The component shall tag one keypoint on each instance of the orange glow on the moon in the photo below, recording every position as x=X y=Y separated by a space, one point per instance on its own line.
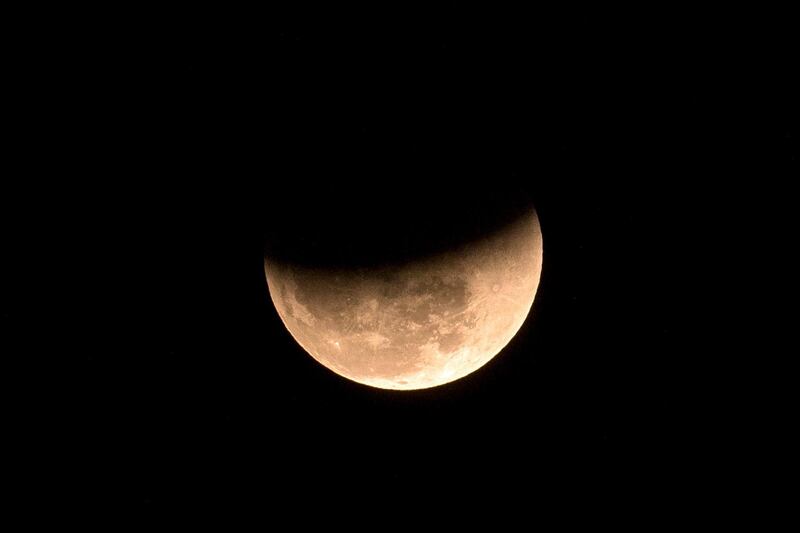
x=416 y=325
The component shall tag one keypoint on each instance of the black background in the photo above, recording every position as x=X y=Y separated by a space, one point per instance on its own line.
x=184 y=143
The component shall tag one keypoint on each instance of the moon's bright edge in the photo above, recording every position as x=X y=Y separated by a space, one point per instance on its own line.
x=417 y=325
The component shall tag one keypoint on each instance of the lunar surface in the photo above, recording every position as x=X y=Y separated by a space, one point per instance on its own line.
x=416 y=325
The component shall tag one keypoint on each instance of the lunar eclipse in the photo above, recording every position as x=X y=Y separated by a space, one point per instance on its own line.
x=418 y=324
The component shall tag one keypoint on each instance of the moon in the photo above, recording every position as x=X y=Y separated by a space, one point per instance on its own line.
x=415 y=325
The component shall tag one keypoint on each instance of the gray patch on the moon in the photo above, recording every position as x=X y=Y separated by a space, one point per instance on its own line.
x=296 y=309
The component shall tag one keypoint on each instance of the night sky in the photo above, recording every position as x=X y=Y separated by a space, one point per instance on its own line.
x=197 y=140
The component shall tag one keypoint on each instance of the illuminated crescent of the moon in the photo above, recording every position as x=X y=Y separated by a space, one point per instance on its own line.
x=416 y=325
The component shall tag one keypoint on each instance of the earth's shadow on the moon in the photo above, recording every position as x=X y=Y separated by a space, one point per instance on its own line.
x=342 y=227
